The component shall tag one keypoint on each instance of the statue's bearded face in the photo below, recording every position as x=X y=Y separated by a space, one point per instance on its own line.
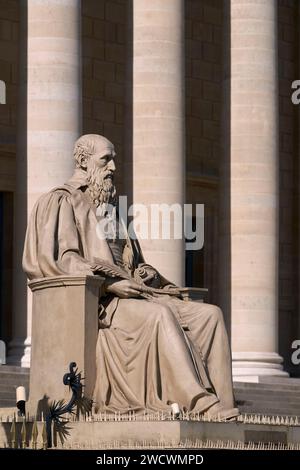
x=100 y=173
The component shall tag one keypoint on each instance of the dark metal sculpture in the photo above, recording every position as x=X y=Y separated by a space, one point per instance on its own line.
x=59 y=408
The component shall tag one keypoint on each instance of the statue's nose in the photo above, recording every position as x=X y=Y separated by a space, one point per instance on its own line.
x=111 y=165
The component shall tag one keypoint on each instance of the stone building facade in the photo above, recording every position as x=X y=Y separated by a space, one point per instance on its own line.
x=196 y=96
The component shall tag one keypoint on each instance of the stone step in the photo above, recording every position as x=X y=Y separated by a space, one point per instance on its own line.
x=7 y=403
x=271 y=392
x=271 y=411
x=6 y=373
x=266 y=386
x=7 y=396
x=15 y=382
x=22 y=372
x=7 y=388
x=7 y=368
x=280 y=380
x=267 y=405
x=268 y=398
x=11 y=391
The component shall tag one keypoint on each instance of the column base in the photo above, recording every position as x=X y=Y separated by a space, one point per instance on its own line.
x=250 y=366
x=19 y=352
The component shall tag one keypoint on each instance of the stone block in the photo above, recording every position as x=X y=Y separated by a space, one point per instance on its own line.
x=115 y=53
x=113 y=132
x=9 y=9
x=15 y=31
x=203 y=70
x=120 y=73
x=194 y=10
x=87 y=67
x=4 y=114
x=93 y=8
x=211 y=130
x=212 y=15
x=87 y=108
x=194 y=126
x=120 y=112
x=211 y=91
x=93 y=48
x=99 y=29
x=202 y=109
x=194 y=88
x=121 y=33
x=64 y=330
x=202 y=31
x=104 y=70
x=289 y=33
x=193 y=49
x=211 y=52
x=92 y=126
x=5 y=68
x=115 y=12
x=218 y=35
x=5 y=30
x=115 y=92
x=93 y=88
x=104 y=111
x=87 y=26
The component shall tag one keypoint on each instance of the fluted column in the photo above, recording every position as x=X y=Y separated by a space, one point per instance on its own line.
x=50 y=122
x=251 y=189
x=158 y=166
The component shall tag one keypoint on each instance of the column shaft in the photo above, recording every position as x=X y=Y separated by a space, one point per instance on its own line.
x=50 y=122
x=252 y=188
x=158 y=169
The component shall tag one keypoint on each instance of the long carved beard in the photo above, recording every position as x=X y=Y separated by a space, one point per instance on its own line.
x=101 y=189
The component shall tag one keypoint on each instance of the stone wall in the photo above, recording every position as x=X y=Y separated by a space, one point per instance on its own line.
x=203 y=125
x=9 y=29
x=9 y=18
x=9 y=32
x=288 y=178
x=104 y=57
x=203 y=85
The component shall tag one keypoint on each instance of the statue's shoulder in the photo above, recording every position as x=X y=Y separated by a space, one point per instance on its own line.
x=66 y=189
x=55 y=195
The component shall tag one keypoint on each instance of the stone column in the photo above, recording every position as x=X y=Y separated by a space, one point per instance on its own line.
x=158 y=163
x=50 y=122
x=251 y=189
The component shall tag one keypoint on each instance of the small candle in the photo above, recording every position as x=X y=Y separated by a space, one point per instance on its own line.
x=20 y=394
x=175 y=409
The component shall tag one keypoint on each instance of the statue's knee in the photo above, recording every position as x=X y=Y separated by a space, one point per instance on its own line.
x=215 y=313
x=163 y=312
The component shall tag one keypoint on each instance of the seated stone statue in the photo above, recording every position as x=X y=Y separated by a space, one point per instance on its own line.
x=153 y=348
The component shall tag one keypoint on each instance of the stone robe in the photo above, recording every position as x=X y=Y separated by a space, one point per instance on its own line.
x=150 y=353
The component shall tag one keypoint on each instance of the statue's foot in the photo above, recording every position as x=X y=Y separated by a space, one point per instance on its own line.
x=217 y=411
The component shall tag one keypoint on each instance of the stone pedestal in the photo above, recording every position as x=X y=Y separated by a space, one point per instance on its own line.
x=64 y=330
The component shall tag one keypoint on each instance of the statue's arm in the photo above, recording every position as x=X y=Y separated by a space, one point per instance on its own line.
x=70 y=252
x=52 y=245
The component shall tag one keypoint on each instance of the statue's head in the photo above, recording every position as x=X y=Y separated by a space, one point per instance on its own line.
x=95 y=154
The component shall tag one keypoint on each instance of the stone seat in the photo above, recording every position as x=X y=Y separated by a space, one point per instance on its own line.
x=64 y=330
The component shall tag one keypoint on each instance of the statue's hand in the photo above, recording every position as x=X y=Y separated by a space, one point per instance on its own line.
x=170 y=287
x=127 y=289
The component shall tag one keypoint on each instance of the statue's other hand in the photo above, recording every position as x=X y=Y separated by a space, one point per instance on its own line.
x=170 y=287
x=127 y=289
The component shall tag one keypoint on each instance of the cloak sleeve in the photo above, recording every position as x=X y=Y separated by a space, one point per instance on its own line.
x=52 y=244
